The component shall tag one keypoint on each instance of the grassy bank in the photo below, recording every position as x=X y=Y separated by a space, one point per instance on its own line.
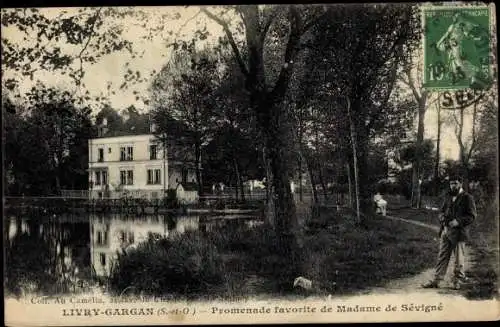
x=484 y=279
x=338 y=255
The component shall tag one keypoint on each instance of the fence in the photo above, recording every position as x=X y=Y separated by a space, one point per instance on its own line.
x=98 y=194
x=83 y=196
x=79 y=194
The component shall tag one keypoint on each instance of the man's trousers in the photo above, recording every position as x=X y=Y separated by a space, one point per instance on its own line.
x=446 y=249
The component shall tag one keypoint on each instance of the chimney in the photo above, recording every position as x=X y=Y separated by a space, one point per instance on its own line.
x=102 y=129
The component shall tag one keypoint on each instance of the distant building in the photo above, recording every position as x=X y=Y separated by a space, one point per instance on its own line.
x=135 y=166
x=187 y=193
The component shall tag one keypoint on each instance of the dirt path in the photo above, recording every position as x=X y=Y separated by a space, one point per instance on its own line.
x=412 y=284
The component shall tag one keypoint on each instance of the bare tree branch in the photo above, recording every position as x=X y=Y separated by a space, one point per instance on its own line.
x=433 y=101
x=88 y=42
x=459 y=132
x=411 y=84
x=185 y=23
x=403 y=79
x=474 y=123
x=269 y=21
x=230 y=37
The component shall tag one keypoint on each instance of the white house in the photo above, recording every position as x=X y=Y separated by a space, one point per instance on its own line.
x=136 y=165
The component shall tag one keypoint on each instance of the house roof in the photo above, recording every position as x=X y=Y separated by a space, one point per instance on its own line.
x=135 y=130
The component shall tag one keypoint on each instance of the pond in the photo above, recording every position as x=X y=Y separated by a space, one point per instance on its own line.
x=52 y=254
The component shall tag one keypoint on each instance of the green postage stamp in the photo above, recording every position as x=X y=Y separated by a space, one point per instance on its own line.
x=456 y=45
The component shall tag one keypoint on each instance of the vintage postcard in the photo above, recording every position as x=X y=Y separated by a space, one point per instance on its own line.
x=250 y=164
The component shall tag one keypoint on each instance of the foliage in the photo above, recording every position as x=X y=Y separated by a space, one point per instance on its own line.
x=407 y=156
x=67 y=40
x=346 y=59
x=183 y=265
x=171 y=201
x=186 y=91
x=46 y=143
x=485 y=158
x=230 y=147
x=128 y=121
x=408 y=153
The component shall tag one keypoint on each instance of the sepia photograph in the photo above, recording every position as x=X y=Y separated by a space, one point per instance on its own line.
x=248 y=164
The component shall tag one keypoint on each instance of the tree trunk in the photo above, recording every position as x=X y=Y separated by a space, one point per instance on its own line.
x=236 y=189
x=438 y=150
x=269 y=211
x=276 y=130
x=239 y=182
x=356 y=179
x=58 y=175
x=349 y=182
x=285 y=205
x=311 y=177
x=464 y=160
x=267 y=104
x=300 y=177
x=417 y=165
x=320 y=170
x=322 y=182
x=363 y=165
x=242 y=186
x=465 y=175
x=58 y=185
x=362 y=134
x=355 y=159
x=198 y=170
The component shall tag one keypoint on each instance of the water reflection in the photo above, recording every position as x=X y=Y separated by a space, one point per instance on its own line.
x=114 y=233
x=71 y=249
x=45 y=253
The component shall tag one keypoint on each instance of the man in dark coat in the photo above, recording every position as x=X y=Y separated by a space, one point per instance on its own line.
x=457 y=213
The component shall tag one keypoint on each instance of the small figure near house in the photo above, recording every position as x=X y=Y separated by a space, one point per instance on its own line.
x=380 y=204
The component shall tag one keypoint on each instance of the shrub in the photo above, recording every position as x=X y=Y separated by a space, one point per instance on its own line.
x=27 y=259
x=183 y=265
x=171 y=201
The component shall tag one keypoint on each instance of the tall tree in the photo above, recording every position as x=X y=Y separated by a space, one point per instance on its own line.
x=422 y=97
x=263 y=25
x=190 y=99
x=485 y=158
x=64 y=128
x=46 y=143
x=363 y=47
x=467 y=144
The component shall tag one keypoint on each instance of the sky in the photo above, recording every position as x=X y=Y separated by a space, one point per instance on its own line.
x=111 y=68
